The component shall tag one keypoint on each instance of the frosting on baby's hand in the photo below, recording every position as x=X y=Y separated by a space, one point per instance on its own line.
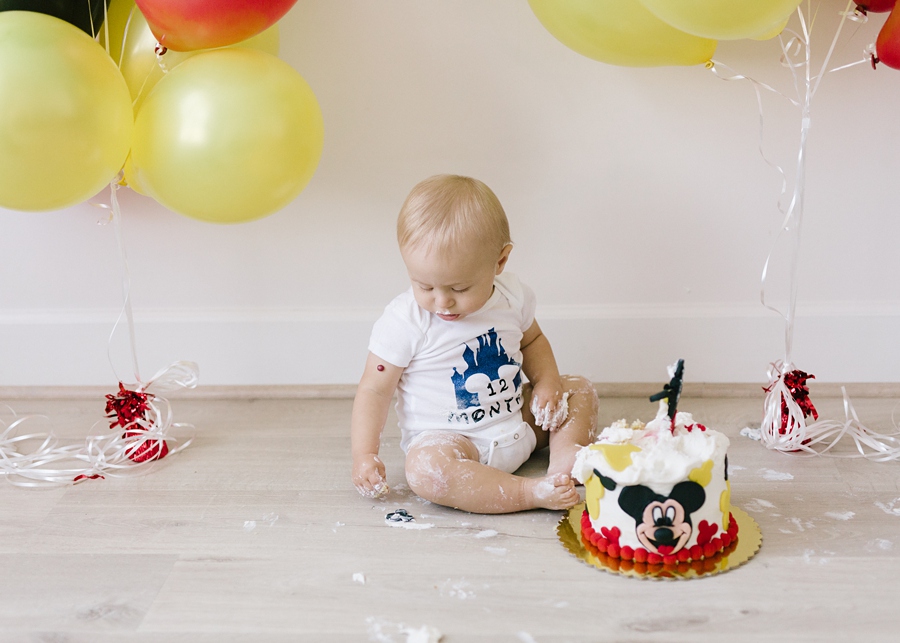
x=550 y=417
x=368 y=477
x=377 y=491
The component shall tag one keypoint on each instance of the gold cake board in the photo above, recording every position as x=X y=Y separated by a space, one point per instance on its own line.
x=748 y=543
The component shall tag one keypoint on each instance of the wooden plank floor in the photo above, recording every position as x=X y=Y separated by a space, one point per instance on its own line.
x=254 y=533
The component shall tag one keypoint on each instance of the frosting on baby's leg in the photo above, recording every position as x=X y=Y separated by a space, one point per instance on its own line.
x=444 y=469
x=579 y=428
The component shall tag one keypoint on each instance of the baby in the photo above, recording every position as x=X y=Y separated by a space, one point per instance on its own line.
x=454 y=347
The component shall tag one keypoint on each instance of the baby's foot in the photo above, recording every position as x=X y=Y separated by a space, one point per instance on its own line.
x=554 y=491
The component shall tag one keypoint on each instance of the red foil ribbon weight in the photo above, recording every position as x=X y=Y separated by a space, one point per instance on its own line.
x=795 y=382
x=131 y=410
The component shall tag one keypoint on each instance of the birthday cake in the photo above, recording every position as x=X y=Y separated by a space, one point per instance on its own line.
x=657 y=492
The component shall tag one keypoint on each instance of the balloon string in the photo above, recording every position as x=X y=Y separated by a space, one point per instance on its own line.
x=157 y=63
x=90 y=16
x=834 y=41
x=125 y=36
x=805 y=87
x=860 y=18
x=714 y=66
x=122 y=56
x=757 y=87
x=809 y=86
x=140 y=92
x=126 y=284
x=105 y=25
x=813 y=14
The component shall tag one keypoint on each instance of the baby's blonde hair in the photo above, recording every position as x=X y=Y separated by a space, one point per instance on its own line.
x=449 y=211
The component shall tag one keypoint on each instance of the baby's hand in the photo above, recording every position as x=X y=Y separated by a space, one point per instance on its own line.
x=369 y=476
x=550 y=409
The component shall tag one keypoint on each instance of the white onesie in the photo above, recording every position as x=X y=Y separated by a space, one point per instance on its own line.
x=463 y=376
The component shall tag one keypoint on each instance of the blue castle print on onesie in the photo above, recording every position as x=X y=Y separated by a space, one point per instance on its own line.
x=488 y=371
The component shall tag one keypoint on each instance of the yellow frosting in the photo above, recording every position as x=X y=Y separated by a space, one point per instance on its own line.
x=725 y=504
x=617 y=455
x=702 y=474
x=593 y=492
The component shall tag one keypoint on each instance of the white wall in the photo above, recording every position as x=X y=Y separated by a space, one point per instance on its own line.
x=640 y=205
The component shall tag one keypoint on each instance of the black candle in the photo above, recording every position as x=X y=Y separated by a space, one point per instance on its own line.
x=672 y=390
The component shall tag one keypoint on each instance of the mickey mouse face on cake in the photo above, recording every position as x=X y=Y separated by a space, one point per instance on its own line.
x=663 y=523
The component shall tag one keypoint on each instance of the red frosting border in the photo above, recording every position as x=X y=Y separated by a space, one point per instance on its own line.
x=640 y=555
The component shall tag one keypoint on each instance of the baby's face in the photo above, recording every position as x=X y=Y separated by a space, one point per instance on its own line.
x=453 y=284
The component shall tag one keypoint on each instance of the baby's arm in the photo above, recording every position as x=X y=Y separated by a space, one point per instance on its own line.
x=548 y=403
x=370 y=411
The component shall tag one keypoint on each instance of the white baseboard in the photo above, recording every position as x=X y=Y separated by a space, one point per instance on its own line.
x=318 y=347
x=606 y=390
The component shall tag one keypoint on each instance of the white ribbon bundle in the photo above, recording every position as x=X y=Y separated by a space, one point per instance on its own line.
x=122 y=451
x=784 y=427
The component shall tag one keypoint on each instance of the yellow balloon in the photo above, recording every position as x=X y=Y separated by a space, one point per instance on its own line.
x=620 y=32
x=268 y=41
x=65 y=114
x=723 y=19
x=772 y=31
x=133 y=47
x=229 y=135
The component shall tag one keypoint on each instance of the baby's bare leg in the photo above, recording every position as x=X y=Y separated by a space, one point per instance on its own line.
x=579 y=428
x=444 y=468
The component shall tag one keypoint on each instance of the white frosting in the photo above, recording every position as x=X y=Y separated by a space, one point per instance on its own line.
x=665 y=457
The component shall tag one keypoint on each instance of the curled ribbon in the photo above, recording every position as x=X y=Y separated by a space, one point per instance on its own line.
x=143 y=431
x=785 y=429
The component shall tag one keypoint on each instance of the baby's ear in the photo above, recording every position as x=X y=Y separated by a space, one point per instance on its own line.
x=504 y=257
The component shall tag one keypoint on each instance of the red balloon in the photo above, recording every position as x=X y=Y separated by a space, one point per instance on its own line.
x=887 y=45
x=185 y=25
x=876 y=6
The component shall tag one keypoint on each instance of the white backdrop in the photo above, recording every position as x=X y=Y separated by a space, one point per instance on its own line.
x=641 y=208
